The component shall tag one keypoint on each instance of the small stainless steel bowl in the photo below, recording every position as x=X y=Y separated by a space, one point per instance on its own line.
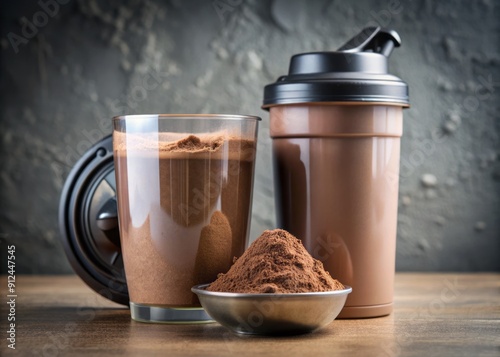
x=267 y=314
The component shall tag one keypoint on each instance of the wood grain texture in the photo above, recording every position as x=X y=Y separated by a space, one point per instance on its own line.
x=435 y=315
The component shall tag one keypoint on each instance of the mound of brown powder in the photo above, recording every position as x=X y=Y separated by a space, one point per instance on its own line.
x=276 y=262
x=195 y=144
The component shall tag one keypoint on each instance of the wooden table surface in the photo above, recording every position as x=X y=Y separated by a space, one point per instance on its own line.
x=435 y=315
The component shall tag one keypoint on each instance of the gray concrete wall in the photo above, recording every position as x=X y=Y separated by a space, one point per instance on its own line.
x=87 y=64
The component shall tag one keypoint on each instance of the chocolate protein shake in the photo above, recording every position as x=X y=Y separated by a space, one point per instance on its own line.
x=184 y=202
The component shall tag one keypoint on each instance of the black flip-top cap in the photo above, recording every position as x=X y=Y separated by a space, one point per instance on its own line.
x=356 y=72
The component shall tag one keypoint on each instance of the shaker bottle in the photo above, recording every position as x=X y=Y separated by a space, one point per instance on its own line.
x=336 y=124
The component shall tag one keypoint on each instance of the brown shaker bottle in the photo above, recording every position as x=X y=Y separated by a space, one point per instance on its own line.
x=336 y=124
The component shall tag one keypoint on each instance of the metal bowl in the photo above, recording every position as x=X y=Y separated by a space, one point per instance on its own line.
x=271 y=314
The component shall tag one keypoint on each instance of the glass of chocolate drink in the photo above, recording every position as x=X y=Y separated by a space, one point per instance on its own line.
x=184 y=191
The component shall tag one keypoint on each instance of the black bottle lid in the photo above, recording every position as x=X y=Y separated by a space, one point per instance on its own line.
x=88 y=221
x=356 y=72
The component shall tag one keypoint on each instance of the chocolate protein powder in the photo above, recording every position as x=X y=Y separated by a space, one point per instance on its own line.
x=277 y=262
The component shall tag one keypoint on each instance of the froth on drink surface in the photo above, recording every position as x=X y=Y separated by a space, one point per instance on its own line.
x=179 y=144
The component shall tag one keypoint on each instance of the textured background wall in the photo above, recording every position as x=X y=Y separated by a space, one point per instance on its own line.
x=88 y=63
